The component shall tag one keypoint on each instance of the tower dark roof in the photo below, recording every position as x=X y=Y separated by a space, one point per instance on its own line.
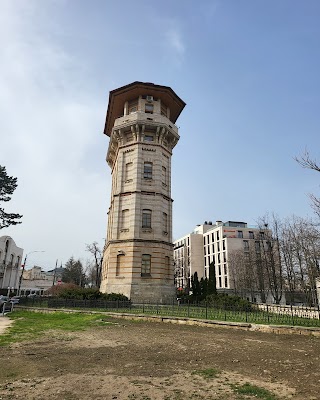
x=119 y=96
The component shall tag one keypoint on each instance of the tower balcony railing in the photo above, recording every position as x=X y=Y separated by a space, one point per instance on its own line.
x=145 y=117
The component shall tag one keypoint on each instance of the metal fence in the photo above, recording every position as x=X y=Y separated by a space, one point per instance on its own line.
x=258 y=314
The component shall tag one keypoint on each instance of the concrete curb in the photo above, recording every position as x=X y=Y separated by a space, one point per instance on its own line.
x=277 y=329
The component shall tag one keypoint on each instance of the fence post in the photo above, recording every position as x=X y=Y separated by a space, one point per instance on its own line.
x=292 y=314
x=143 y=306
x=206 y=309
x=246 y=314
x=188 y=308
x=117 y=305
x=268 y=314
x=157 y=308
x=225 y=310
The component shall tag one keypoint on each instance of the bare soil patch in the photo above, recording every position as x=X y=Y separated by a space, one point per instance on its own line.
x=150 y=360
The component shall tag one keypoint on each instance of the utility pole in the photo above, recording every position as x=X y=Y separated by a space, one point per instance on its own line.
x=23 y=268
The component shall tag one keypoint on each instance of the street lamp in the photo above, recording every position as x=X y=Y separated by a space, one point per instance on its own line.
x=23 y=267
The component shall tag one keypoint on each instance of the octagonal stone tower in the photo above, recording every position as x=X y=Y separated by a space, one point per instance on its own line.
x=138 y=256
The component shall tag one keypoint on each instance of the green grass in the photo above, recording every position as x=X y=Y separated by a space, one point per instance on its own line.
x=28 y=325
x=209 y=373
x=255 y=391
x=184 y=311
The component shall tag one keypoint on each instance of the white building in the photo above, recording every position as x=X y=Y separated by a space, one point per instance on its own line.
x=37 y=281
x=10 y=263
x=138 y=256
x=214 y=243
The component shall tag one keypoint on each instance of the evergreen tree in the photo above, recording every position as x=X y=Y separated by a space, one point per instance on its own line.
x=212 y=288
x=74 y=273
x=195 y=285
x=8 y=185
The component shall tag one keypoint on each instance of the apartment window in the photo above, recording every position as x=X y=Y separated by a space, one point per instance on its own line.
x=246 y=245
x=125 y=219
x=212 y=237
x=165 y=222
x=205 y=250
x=225 y=269
x=240 y=234
x=146 y=218
x=223 y=245
x=164 y=175
x=149 y=108
x=224 y=257
x=251 y=235
x=212 y=248
x=208 y=249
x=147 y=170
x=188 y=242
x=226 y=281
x=218 y=236
x=219 y=270
x=220 y=282
x=257 y=246
x=218 y=245
x=146 y=265
x=218 y=257
x=261 y=235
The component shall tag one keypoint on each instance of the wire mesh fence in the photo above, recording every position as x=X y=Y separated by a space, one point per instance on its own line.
x=257 y=313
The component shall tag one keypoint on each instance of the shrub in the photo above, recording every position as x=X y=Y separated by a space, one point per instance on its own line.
x=71 y=291
x=228 y=302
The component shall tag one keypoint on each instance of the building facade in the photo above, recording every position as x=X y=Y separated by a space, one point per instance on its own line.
x=10 y=263
x=216 y=244
x=37 y=281
x=138 y=256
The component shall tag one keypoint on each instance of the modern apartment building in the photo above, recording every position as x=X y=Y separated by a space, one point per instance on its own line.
x=214 y=243
x=138 y=256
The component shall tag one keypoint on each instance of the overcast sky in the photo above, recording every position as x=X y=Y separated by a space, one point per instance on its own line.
x=248 y=71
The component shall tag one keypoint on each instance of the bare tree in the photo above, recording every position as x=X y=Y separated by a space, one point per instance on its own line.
x=270 y=231
x=95 y=270
x=307 y=162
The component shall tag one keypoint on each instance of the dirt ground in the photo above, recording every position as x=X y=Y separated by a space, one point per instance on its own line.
x=150 y=360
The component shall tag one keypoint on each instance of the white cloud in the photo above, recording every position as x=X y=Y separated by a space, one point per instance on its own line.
x=48 y=126
x=174 y=38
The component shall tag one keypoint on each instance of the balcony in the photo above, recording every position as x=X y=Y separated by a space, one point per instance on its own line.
x=152 y=119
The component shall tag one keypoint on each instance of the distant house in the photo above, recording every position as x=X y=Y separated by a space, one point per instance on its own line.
x=10 y=263
x=37 y=281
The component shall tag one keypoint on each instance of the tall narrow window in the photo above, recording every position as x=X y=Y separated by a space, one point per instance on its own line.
x=125 y=219
x=146 y=218
x=164 y=176
x=146 y=265
x=246 y=245
x=240 y=234
x=257 y=245
x=251 y=235
x=165 y=222
x=147 y=170
x=128 y=171
x=119 y=266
